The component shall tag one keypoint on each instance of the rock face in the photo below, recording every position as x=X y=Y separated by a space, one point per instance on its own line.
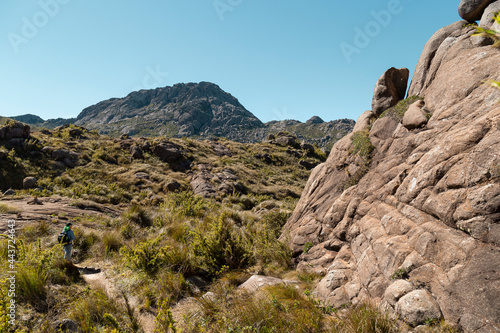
x=423 y=206
x=390 y=89
x=487 y=20
x=190 y=109
x=424 y=75
x=472 y=10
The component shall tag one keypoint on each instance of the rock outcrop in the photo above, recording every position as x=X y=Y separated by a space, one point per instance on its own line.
x=472 y=10
x=390 y=89
x=417 y=202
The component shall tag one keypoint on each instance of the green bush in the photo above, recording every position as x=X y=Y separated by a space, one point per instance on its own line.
x=219 y=244
x=361 y=144
x=148 y=256
x=138 y=215
x=398 y=111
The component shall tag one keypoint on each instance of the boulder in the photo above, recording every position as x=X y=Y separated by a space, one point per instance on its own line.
x=66 y=325
x=383 y=128
x=363 y=121
x=472 y=10
x=422 y=75
x=307 y=164
x=136 y=152
x=256 y=282
x=396 y=290
x=390 y=89
x=141 y=175
x=9 y=192
x=418 y=306
x=29 y=182
x=487 y=20
x=173 y=186
x=60 y=154
x=307 y=146
x=168 y=152
x=287 y=140
x=3 y=130
x=415 y=117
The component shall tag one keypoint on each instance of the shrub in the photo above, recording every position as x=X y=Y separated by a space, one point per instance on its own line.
x=398 y=111
x=218 y=243
x=83 y=243
x=365 y=318
x=187 y=204
x=164 y=321
x=278 y=309
x=138 y=215
x=111 y=242
x=8 y=209
x=90 y=310
x=361 y=144
x=31 y=286
x=147 y=256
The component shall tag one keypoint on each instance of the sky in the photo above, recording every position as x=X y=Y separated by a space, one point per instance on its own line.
x=282 y=59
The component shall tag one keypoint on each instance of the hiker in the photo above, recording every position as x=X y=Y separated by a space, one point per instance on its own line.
x=66 y=239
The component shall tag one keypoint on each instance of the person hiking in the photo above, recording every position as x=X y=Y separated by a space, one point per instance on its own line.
x=66 y=239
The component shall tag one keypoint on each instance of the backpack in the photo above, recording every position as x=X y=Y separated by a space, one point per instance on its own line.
x=63 y=238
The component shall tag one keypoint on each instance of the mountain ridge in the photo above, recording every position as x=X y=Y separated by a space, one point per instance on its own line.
x=199 y=110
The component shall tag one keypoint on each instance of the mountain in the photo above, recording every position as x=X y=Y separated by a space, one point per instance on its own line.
x=198 y=110
x=406 y=210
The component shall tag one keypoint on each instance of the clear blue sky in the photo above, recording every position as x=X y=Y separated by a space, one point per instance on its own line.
x=281 y=59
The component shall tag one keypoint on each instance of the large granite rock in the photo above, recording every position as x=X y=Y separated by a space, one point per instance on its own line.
x=422 y=76
x=390 y=89
x=427 y=206
x=472 y=10
x=487 y=20
x=418 y=306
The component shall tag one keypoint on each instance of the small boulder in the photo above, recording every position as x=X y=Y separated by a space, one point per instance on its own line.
x=60 y=154
x=29 y=182
x=173 y=186
x=390 y=89
x=308 y=165
x=66 y=325
x=397 y=290
x=256 y=282
x=418 y=306
x=415 y=117
x=136 y=152
x=472 y=10
x=307 y=146
x=141 y=175
x=287 y=141
x=47 y=150
x=168 y=152
x=363 y=121
x=9 y=192
x=270 y=137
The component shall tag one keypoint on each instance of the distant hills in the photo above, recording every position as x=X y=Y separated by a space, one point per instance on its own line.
x=199 y=110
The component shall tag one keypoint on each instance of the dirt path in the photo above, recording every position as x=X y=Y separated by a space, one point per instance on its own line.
x=50 y=209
